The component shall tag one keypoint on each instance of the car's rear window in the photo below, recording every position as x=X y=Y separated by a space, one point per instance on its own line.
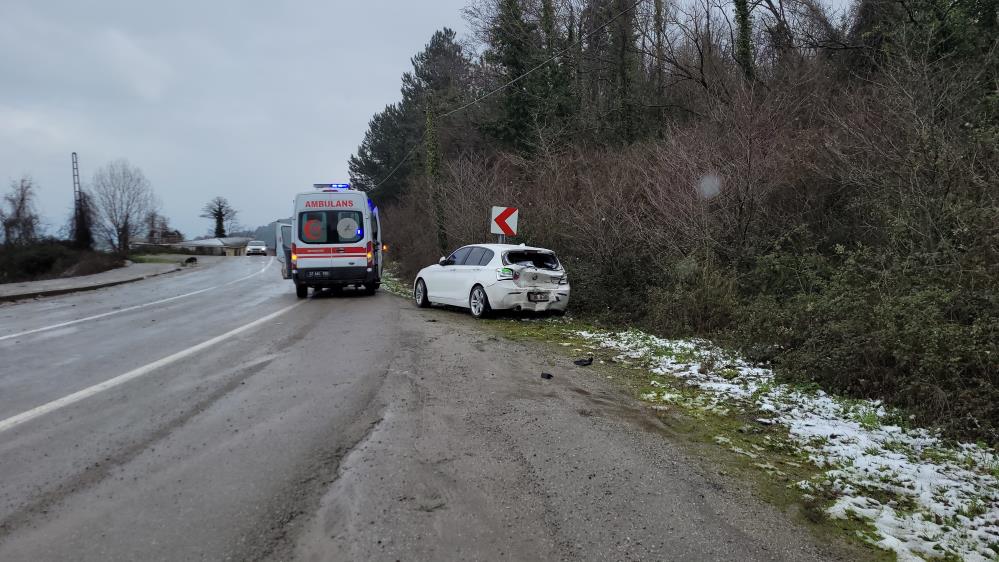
x=474 y=256
x=528 y=258
x=330 y=227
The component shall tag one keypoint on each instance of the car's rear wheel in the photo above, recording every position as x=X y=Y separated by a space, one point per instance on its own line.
x=478 y=302
x=301 y=291
x=420 y=294
x=370 y=289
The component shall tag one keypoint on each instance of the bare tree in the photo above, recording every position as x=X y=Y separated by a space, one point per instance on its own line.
x=20 y=221
x=220 y=211
x=123 y=198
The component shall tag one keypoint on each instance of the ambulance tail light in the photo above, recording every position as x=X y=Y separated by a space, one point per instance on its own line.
x=294 y=253
x=506 y=274
x=371 y=254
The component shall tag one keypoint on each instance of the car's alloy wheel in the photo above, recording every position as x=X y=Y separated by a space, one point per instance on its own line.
x=420 y=294
x=478 y=302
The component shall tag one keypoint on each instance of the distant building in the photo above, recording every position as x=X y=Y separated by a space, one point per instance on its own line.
x=164 y=237
x=216 y=246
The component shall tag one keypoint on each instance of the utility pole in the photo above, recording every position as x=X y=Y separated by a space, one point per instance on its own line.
x=77 y=191
x=82 y=235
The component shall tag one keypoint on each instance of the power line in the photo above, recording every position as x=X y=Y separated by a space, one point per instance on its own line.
x=505 y=86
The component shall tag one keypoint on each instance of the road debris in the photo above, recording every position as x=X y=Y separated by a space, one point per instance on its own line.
x=584 y=362
x=546 y=375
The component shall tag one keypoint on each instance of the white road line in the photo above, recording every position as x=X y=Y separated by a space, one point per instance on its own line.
x=133 y=374
x=131 y=308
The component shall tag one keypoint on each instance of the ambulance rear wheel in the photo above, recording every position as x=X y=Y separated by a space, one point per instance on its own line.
x=370 y=288
x=301 y=291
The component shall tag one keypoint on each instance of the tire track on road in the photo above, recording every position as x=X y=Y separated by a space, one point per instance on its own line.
x=98 y=472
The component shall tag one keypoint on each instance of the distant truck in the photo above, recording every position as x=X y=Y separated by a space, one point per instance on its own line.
x=335 y=240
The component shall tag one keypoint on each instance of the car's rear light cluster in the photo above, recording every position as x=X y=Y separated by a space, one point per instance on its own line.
x=371 y=254
x=506 y=273
x=294 y=252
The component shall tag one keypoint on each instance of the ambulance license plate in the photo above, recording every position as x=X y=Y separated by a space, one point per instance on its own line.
x=537 y=297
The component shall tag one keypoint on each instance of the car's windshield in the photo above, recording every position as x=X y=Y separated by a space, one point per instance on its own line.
x=532 y=258
x=330 y=227
x=258 y=243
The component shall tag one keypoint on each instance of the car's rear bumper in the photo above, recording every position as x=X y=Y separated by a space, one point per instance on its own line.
x=511 y=297
x=256 y=252
x=334 y=276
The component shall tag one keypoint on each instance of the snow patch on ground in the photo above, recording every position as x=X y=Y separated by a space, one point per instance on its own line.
x=924 y=497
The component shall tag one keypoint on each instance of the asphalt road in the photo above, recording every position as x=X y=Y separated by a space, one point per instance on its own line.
x=211 y=415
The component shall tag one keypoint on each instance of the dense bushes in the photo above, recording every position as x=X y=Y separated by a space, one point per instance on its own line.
x=49 y=259
x=880 y=292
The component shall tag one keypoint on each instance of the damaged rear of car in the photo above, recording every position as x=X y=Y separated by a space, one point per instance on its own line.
x=485 y=277
x=530 y=279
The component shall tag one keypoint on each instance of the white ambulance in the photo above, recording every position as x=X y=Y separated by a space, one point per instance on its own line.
x=335 y=240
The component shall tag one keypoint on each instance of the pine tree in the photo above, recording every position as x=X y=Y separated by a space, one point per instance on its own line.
x=744 y=38
x=625 y=69
x=442 y=71
x=512 y=50
x=432 y=168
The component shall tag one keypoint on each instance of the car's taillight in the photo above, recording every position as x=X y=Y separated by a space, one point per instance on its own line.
x=506 y=273
x=294 y=253
x=371 y=254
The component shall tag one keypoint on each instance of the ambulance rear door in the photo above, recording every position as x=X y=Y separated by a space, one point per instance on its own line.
x=349 y=235
x=310 y=236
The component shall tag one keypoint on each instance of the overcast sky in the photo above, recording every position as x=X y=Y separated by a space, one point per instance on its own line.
x=253 y=101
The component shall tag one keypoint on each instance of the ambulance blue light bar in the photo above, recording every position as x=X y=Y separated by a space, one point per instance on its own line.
x=331 y=185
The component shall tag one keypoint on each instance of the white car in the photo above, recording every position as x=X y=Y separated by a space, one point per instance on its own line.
x=485 y=277
x=256 y=247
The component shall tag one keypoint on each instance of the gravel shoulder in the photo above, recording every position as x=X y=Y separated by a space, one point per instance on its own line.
x=479 y=458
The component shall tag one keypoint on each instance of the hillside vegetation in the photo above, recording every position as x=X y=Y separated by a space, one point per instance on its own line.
x=817 y=189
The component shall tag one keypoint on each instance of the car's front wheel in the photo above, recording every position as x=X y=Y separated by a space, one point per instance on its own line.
x=420 y=294
x=478 y=302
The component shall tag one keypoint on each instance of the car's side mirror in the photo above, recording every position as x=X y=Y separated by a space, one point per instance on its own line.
x=442 y=261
